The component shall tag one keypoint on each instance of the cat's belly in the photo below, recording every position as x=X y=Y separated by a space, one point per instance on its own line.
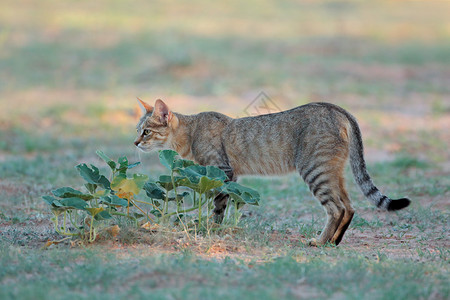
x=262 y=166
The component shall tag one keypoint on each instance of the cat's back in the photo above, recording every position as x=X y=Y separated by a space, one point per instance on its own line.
x=316 y=114
x=210 y=121
x=271 y=141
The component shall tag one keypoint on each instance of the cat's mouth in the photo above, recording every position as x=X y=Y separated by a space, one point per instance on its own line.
x=144 y=148
x=149 y=148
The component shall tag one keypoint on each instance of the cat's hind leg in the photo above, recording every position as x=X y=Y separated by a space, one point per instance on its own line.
x=335 y=213
x=323 y=179
x=348 y=215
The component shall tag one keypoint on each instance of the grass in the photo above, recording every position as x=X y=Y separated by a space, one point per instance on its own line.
x=69 y=73
x=140 y=274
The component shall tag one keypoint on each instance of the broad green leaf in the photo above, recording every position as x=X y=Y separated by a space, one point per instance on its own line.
x=103 y=215
x=48 y=199
x=103 y=156
x=66 y=203
x=114 y=200
x=195 y=172
x=236 y=199
x=166 y=181
x=242 y=199
x=187 y=183
x=182 y=163
x=109 y=161
x=102 y=193
x=129 y=185
x=118 y=182
x=207 y=184
x=139 y=180
x=52 y=201
x=214 y=172
x=154 y=191
x=182 y=195
x=93 y=211
x=68 y=192
x=240 y=193
x=249 y=199
x=74 y=202
x=57 y=211
x=239 y=189
x=179 y=196
x=167 y=157
x=91 y=187
x=92 y=175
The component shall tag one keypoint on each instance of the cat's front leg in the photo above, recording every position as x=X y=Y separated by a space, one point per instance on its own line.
x=220 y=202
x=228 y=171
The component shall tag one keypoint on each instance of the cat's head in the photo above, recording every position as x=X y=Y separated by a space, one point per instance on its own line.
x=156 y=126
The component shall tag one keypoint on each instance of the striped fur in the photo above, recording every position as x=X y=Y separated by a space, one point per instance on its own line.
x=315 y=140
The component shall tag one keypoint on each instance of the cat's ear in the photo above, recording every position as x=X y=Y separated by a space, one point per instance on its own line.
x=162 y=111
x=145 y=107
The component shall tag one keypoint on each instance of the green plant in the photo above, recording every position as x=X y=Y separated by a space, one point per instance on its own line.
x=82 y=211
x=188 y=187
x=200 y=183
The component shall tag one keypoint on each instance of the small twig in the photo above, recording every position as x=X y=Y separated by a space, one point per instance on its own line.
x=143 y=212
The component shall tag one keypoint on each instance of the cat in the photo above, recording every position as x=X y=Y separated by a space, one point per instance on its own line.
x=315 y=139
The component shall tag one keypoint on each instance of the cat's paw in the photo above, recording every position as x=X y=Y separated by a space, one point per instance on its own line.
x=318 y=243
x=312 y=243
x=218 y=218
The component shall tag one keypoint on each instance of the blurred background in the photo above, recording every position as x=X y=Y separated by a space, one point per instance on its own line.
x=70 y=72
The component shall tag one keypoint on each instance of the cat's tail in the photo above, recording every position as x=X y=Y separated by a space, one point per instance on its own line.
x=361 y=175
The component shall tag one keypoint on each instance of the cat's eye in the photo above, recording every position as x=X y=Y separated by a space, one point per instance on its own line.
x=147 y=131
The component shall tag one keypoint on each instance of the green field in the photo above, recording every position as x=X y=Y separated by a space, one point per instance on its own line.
x=70 y=72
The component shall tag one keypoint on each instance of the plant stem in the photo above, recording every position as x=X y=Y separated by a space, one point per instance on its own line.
x=58 y=230
x=64 y=224
x=91 y=229
x=166 y=204
x=200 y=204
x=175 y=190
x=154 y=206
x=186 y=210
x=55 y=222
x=207 y=215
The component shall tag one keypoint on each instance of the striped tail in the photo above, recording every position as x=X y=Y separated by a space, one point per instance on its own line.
x=362 y=177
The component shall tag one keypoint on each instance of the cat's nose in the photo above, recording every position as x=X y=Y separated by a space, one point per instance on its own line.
x=138 y=140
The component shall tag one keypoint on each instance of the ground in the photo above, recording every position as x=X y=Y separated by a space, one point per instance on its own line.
x=69 y=75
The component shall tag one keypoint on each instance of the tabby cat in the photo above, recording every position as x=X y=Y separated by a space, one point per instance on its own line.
x=315 y=140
